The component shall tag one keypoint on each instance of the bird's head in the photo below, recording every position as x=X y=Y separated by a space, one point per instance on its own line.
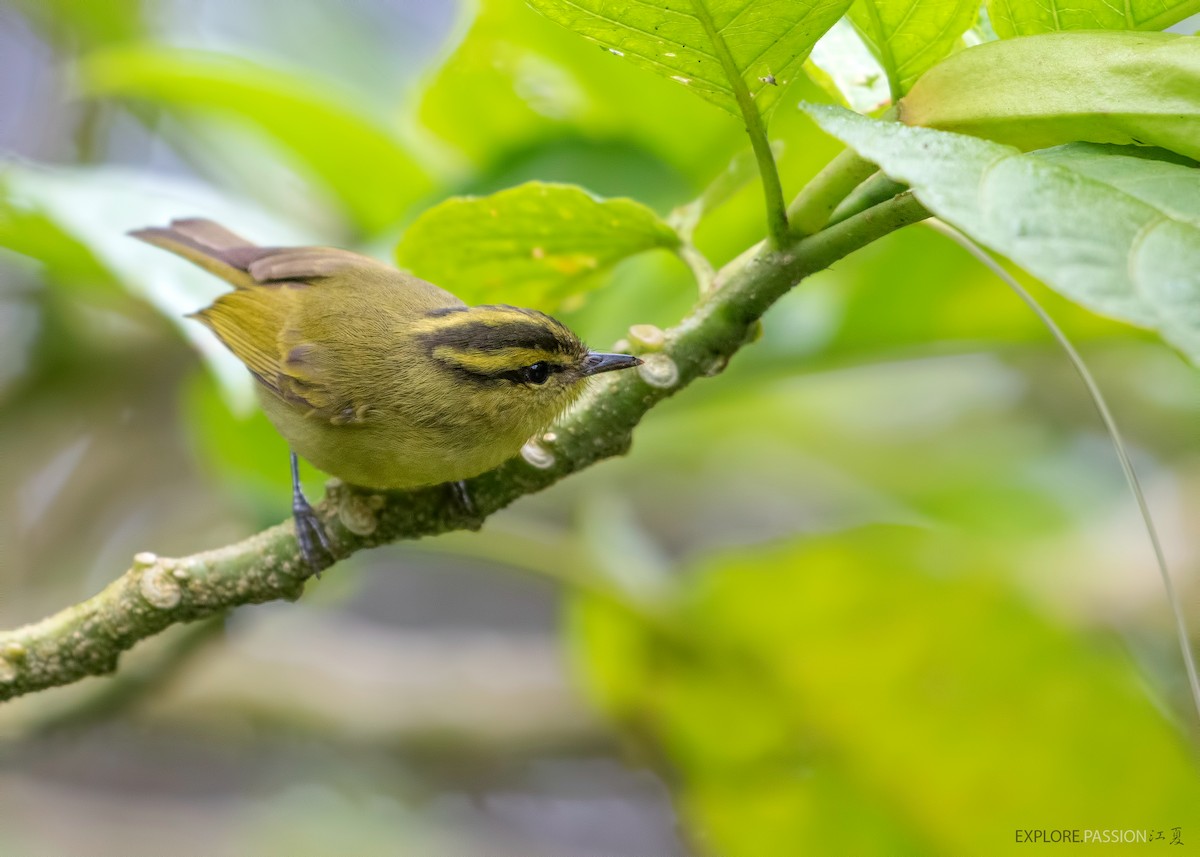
x=518 y=366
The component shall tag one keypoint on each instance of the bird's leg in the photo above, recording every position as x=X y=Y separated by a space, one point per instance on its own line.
x=462 y=497
x=310 y=532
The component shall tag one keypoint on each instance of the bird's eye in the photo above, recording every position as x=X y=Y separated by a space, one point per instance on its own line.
x=537 y=373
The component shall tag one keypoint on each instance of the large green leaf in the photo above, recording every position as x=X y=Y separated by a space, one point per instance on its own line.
x=533 y=245
x=713 y=47
x=909 y=36
x=1141 y=88
x=1168 y=182
x=1029 y=17
x=362 y=163
x=516 y=82
x=883 y=692
x=1131 y=255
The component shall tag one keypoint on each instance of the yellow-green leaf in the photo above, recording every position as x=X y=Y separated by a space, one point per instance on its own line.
x=1028 y=17
x=517 y=80
x=1111 y=237
x=363 y=164
x=74 y=23
x=713 y=47
x=533 y=245
x=1040 y=91
x=909 y=36
x=883 y=692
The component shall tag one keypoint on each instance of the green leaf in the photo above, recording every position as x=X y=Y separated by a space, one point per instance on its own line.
x=1140 y=88
x=31 y=233
x=533 y=245
x=363 y=164
x=1029 y=17
x=1131 y=256
x=713 y=47
x=77 y=22
x=859 y=694
x=1151 y=175
x=517 y=81
x=910 y=36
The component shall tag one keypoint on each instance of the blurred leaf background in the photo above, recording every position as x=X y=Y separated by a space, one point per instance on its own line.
x=878 y=588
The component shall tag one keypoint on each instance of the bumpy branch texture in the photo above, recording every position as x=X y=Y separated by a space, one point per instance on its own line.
x=88 y=638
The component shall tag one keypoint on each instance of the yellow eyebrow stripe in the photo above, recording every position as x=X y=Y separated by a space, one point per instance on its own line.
x=492 y=362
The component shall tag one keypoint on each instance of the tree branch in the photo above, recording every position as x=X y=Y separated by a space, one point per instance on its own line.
x=88 y=638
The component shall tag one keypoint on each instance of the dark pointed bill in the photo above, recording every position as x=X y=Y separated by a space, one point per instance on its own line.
x=597 y=362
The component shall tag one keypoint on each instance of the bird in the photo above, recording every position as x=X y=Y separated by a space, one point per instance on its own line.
x=375 y=376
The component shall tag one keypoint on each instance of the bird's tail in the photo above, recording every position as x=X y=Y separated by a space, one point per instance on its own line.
x=204 y=243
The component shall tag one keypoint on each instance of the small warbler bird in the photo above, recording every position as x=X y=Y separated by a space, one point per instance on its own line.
x=375 y=376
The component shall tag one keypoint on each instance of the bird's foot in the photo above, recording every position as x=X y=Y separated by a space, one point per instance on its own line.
x=315 y=546
x=462 y=499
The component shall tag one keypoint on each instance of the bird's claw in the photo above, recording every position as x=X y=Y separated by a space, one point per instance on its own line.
x=314 y=542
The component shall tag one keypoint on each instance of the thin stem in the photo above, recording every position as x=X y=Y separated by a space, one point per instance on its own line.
x=685 y=218
x=777 y=219
x=1110 y=423
x=701 y=268
x=811 y=209
x=870 y=193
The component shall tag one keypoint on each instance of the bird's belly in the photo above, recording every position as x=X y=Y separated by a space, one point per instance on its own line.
x=391 y=456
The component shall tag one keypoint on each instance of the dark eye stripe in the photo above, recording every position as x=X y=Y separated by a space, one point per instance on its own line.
x=517 y=376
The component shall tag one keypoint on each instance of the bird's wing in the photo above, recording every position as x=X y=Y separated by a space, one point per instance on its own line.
x=308 y=376
x=276 y=264
x=258 y=326
x=248 y=322
x=307 y=373
x=271 y=265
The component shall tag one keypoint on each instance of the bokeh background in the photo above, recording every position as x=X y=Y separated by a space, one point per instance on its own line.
x=878 y=588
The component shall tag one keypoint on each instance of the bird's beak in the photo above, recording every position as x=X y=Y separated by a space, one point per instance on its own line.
x=596 y=362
